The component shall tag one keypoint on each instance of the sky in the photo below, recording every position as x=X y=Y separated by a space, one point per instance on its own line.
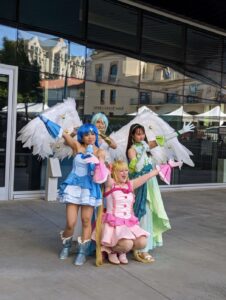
x=11 y=34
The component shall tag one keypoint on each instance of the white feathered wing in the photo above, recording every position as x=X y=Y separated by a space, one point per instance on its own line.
x=35 y=134
x=154 y=126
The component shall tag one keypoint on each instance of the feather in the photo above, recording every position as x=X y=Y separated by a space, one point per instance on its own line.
x=35 y=135
x=154 y=126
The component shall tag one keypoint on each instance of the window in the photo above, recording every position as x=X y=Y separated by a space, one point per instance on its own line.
x=166 y=73
x=102 y=97
x=99 y=72
x=113 y=73
x=113 y=97
x=145 y=98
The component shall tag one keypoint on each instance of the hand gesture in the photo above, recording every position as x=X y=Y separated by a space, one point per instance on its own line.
x=187 y=128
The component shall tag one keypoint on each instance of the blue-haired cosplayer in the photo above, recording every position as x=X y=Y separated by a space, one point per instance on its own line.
x=80 y=188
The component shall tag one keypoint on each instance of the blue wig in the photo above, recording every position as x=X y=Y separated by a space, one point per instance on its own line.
x=85 y=129
x=101 y=116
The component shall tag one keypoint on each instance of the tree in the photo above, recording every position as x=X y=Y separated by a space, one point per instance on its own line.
x=14 y=53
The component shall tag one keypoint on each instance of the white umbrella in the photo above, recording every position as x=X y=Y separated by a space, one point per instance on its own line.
x=142 y=109
x=215 y=114
x=180 y=113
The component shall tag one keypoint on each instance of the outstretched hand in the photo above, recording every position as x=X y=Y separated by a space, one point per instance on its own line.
x=187 y=128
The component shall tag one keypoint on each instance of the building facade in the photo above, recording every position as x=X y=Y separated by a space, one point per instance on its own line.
x=115 y=57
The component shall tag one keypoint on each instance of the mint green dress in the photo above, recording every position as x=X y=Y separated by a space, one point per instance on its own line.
x=149 y=207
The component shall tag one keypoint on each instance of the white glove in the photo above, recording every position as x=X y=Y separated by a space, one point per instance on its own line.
x=186 y=128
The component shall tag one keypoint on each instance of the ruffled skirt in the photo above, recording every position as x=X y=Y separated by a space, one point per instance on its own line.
x=111 y=235
x=80 y=190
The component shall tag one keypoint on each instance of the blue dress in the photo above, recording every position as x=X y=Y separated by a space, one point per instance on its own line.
x=79 y=188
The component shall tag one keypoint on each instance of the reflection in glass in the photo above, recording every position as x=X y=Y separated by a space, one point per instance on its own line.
x=206 y=143
x=204 y=51
x=165 y=83
x=196 y=90
x=222 y=93
x=4 y=81
x=8 y=44
x=29 y=169
x=48 y=53
x=113 y=68
x=117 y=100
x=75 y=88
x=76 y=61
x=52 y=88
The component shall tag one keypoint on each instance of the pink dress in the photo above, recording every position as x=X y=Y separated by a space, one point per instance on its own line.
x=119 y=221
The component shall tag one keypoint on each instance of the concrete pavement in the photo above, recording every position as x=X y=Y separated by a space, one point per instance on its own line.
x=190 y=266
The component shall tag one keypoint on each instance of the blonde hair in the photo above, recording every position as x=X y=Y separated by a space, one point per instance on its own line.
x=118 y=165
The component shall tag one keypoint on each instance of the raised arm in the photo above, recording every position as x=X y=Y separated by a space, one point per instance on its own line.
x=186 y=128
x=160 y=140
x=74 y=144
x=142 y=179
x=111 y=143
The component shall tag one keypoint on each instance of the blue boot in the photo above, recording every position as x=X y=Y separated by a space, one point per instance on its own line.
x=67 y=243
x=83 y=248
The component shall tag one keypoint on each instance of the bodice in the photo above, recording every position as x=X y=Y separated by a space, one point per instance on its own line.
x=80 y=167
x=120 y=202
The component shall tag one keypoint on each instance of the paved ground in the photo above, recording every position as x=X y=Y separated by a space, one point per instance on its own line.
x=191 y=265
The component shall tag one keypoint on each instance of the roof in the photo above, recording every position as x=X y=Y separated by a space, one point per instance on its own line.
x=60 y=83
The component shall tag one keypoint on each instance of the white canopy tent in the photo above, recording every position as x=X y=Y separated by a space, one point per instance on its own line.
x=180 y=113
x=141 y=110
x=215 y=115
x=31 y=107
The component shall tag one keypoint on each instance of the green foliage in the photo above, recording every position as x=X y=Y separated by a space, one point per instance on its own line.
x=14 y=53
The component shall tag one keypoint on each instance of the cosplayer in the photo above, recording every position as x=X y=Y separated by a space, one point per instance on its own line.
x=120 y=228
x=50 y=134
x=161 y=146
x=149 y=206
x=105 y=142
x=81 y=189
x=165 y=145
x=46 y=139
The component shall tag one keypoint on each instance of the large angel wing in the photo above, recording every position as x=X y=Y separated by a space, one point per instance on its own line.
x=35 y=134
x=154 y=126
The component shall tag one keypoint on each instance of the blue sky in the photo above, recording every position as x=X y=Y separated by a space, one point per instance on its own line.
x=11 y=34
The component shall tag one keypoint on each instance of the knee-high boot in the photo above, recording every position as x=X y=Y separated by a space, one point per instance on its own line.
x=83 y=248
x=67 y=243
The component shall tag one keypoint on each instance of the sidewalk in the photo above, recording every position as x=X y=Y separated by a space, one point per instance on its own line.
x=191 y=265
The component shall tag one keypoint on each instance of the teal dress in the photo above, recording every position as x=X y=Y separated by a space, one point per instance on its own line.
x=149 y=207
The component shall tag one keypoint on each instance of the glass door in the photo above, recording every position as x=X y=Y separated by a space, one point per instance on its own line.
x=8 y=92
